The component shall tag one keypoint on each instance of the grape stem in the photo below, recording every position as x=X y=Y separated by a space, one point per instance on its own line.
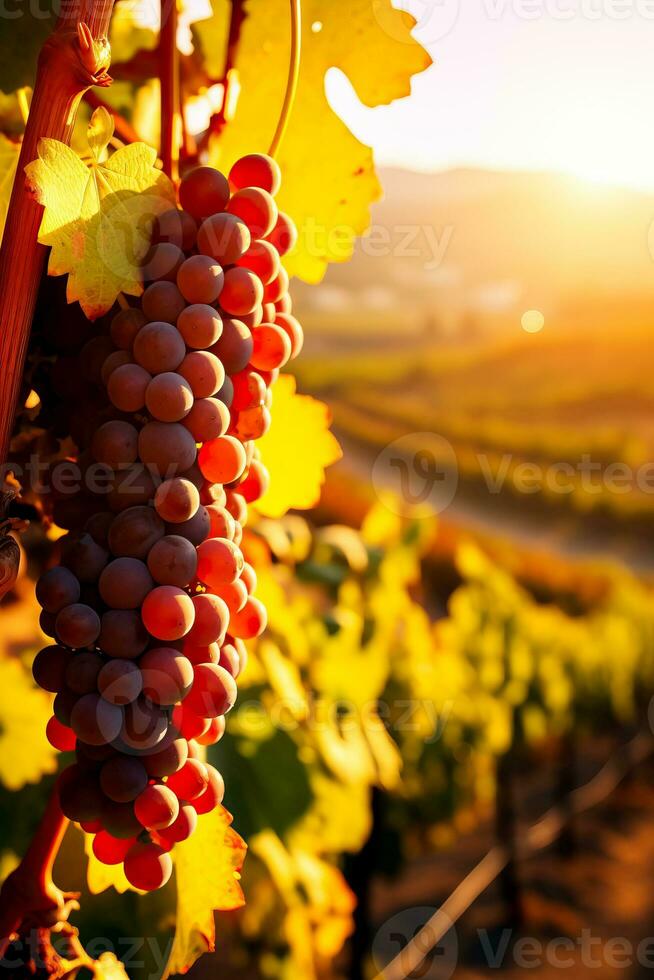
x=29 y=898
x=75 y=57
x=293 y=77
x=170 y=89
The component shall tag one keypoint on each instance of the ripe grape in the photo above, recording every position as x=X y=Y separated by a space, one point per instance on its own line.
x=173 y=560
x=235 y=504
x=131 y=487
x=77 y=626
x=202 y=654
x=110 y=850
x=169 y=397
x=182 y=828
x=119 y=820
x=284 y=305
x=168 y=613
x=251 y=621
x=200 y=279
x=144 y=727
x=256 y=170
x=211 y=620
x=249 y=390
x=226 y=393
x=257 y=208
x=177 y=227
x=134 y=531
x=214 y=733
x=82 y=673
x=176 y=500
x=199 y=325
x=127 y=386
x=254 y=318
x=80 y=795
x=293 y=329
x=262 y=259
x=219 y=562
x=159 y=347
x=162 y=262
x=223 y=237
x=274 y=291
x=204 y=191
x=234 y=595
x=249 y=577
x=60 y=736
x=116 y=444
x=123 y=635
x=234 y=346
x=167 y=675
x=95 y=721
x=222 y=460
x=256 y=482
x=188 y=724
x=253 y=423
x=124 y=583
x=166 y=447
x=190 y=781
x=222 y=522
x=203 y=371
x=208 y=419
x=114 y=361
x=213 y=692
x=56 y=588
x=120 y=682
x=242 y=292
x=125 y=326
x=148 y=867
x=91 y=755
x=162 y=302
x=123 y=778
x=213 y=794
x=195 y=530
x=83 y=557
x=284 y=234
x=157 y=807
x=98 y=527
x=166 y=761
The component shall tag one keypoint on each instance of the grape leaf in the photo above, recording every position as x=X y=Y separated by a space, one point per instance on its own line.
x=25 y=753
x=329 y=178
x=206 y=870
x=9 y=153
x=98 y=218
x=296 y=449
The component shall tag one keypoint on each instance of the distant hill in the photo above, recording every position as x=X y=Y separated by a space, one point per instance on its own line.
x=470 y=250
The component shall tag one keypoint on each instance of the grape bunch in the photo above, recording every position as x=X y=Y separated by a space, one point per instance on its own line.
x=153 y=600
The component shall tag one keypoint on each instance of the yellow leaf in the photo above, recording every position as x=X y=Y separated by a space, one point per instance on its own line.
x=9 y=153
x=135 y=25
x=97 y=218
x=206 y=868
x=296 y=450
x=329 y=179
x=108 y=967
x=25 y=753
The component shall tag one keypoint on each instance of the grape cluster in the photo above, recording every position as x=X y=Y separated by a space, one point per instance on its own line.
x=153 y=599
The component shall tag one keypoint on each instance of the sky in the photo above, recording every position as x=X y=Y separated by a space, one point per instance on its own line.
x=562 y=85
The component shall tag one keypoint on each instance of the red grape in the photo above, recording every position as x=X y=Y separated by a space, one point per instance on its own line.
x=167 y=675
x=222 y=460
x=199 y=325
x=200 y=279
x=168 y=613
x=211 y=620
x=256 y=170
x=124 y=583
x=159 y=347
x=176 y=500
x=224 y=238
x=213 y=692
x=204 y=191
x=257 y=208
x=148 y=867
x=173 y=561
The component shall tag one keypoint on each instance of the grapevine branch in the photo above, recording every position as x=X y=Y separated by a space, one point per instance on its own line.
x=170 y=89
x=75 y=57
x=538 y=836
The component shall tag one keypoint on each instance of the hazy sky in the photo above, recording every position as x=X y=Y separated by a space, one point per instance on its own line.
x=564 y=85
